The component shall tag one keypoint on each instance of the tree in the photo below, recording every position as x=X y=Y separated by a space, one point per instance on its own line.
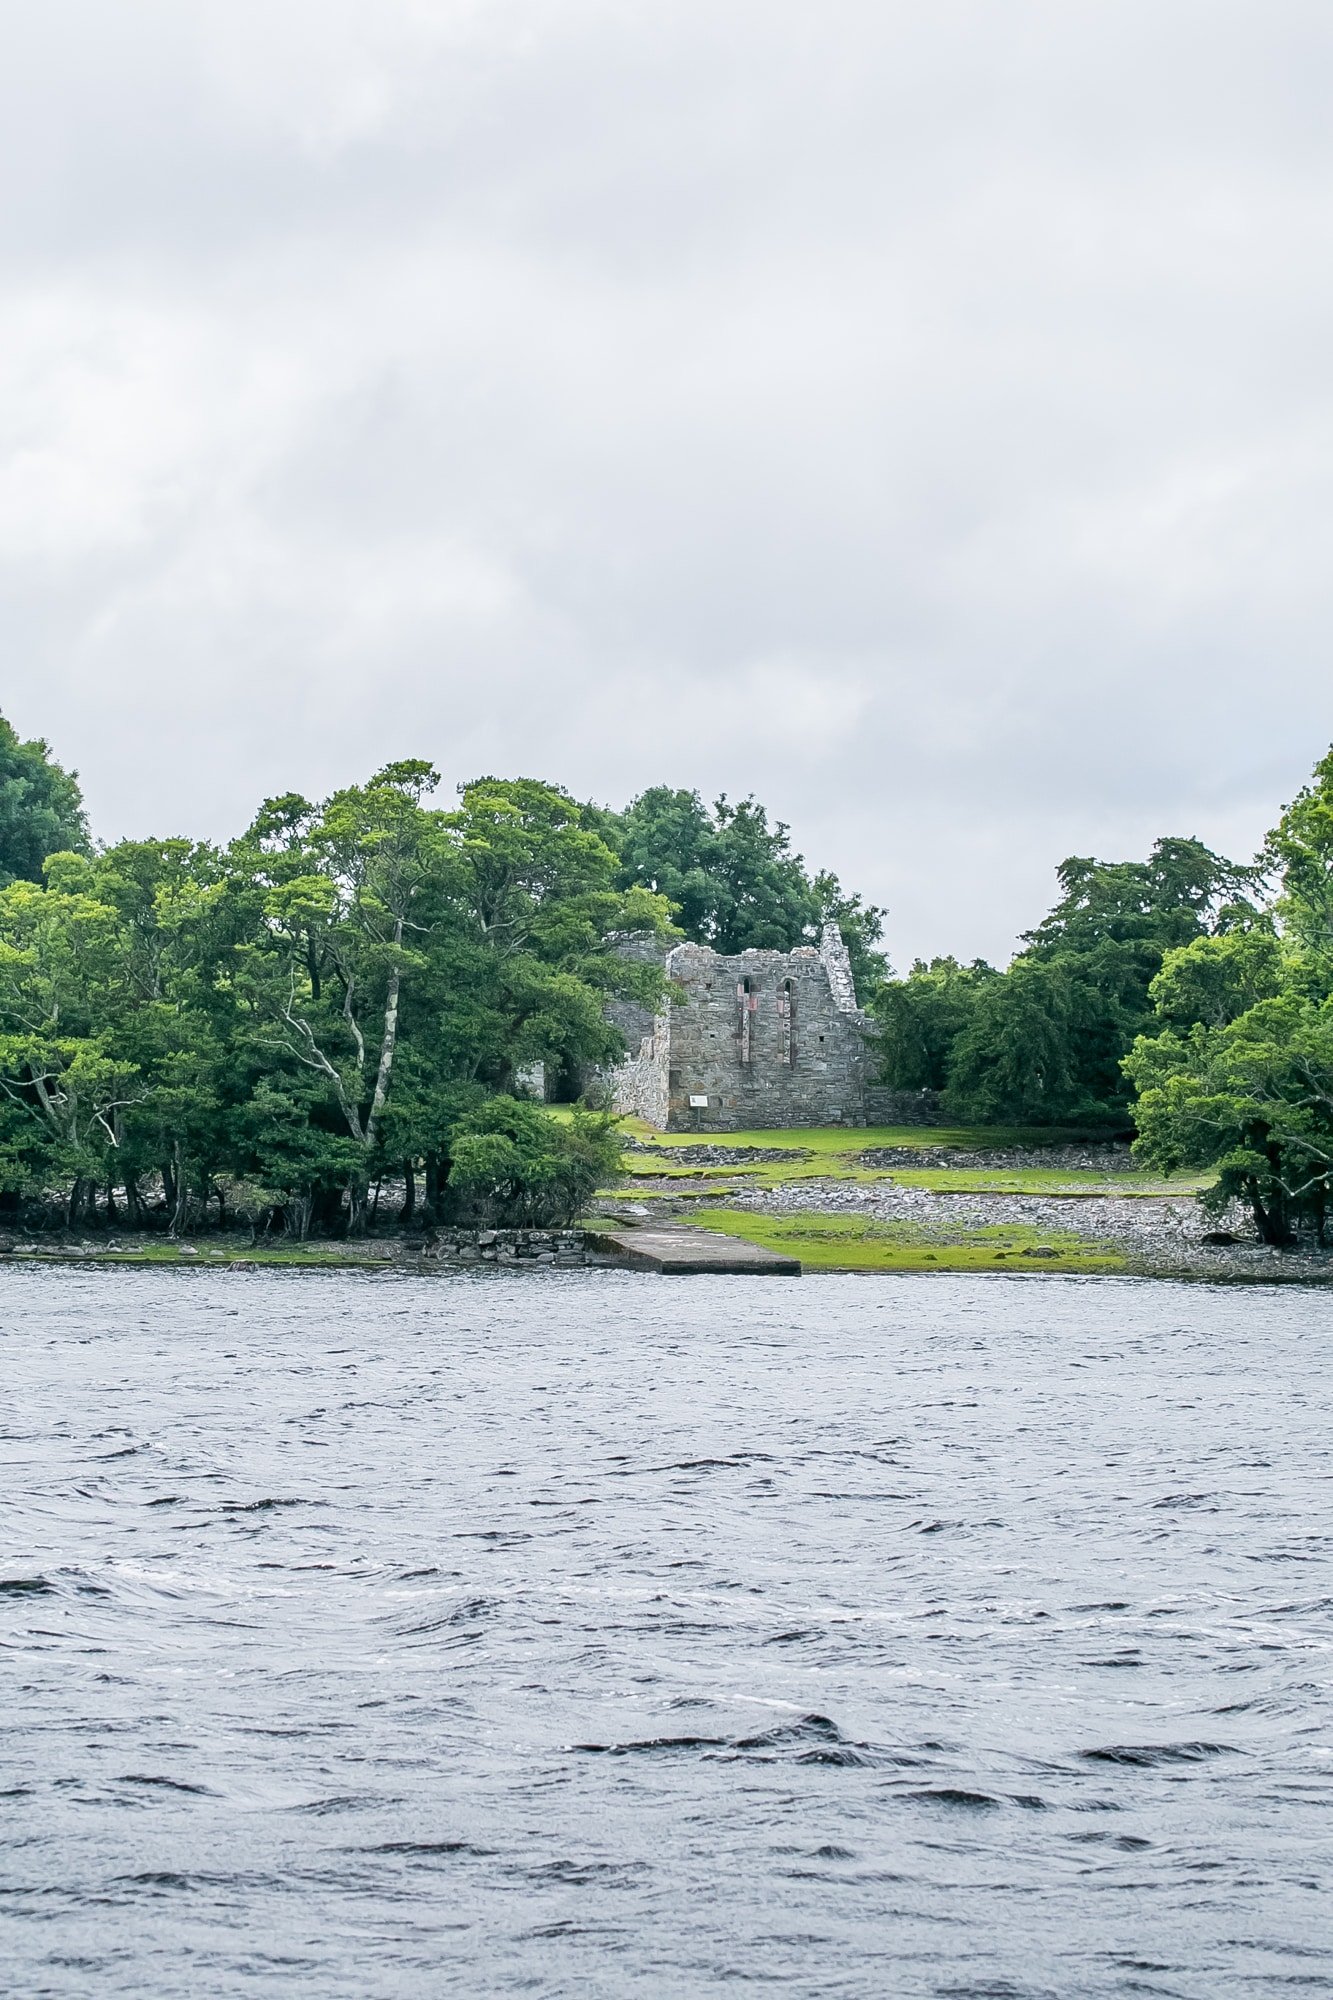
x=1253 y=1099
x=1014 y=1062
x=1215 y=980
x=407 y=963
x=65 y=1081
x=923 y=1016
x=1157 y=904
x=515 y=1160
x=1301 y=847
x=734 y=882
x=1044 y=1042
x=353 y=894
x=1239 y=1073
x=41 y=808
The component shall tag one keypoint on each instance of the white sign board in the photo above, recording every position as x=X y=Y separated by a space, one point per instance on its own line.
x=698 y=1104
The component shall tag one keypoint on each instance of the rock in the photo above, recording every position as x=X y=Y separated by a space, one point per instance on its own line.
x=1219 y=1239
x=1041 y=1251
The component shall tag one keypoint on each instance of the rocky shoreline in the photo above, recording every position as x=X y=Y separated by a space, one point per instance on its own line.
x=1164 y=1236
x=529 y=1249
x=1158 y=1235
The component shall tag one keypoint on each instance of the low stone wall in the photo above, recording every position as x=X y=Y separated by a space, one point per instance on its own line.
x=901 y=1107
x=563 y=1248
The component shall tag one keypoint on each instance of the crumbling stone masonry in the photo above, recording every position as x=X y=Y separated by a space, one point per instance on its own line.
x=760 y=1039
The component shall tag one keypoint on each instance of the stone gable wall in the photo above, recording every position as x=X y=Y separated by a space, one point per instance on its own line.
x=768 y=1038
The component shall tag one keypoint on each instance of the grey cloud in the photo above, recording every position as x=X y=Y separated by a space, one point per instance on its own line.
x=920 y=416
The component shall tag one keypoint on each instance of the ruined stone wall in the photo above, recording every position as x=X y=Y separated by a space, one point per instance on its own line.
x=886 y=1106
x=763 y=1038
x=638 y=1086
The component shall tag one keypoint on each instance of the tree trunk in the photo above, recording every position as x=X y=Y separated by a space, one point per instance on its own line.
x=296 y=1211
x=221 y=1194
x=181 y=1213
x=72 y=1201
x=389 y=1043
x=1270 y=1217
x=111 y=1217
x=356 y=1205
x=409 y=1195
x=132 y=1214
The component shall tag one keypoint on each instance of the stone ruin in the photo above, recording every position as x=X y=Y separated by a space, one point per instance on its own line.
x=759 y=1039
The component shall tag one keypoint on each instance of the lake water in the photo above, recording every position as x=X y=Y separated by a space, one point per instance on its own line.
x=594 y=1634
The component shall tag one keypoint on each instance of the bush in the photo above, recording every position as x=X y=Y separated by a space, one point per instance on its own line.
x=512 y=1164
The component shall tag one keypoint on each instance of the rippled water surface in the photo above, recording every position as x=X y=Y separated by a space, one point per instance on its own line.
x=593 y=1634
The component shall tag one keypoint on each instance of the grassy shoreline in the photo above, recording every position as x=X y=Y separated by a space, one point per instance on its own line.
x=813 y=1194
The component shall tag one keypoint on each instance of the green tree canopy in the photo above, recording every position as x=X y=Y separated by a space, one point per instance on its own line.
x=330 y=1001
x=735 y=883
x=1237 y=1074
x=1044 y=1042
x=923 y=1016
x=41 y=808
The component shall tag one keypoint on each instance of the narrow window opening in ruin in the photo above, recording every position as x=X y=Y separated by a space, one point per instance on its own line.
x=746 y=1000
x=787 y=1023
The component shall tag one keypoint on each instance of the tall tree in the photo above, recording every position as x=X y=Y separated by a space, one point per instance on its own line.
x=1238 y=1073
x=41 y=808
x=734 y=881
x=1043 y=1043
x=922 y=1017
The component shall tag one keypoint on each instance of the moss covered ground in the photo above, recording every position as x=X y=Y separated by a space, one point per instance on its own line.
x=297 y=1256
x=836 y=1154
x=858 y=1243
x=825 y=1237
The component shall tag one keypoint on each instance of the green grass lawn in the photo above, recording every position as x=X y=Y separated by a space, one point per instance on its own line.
x=834 y=1153
x=852 y=1139
x=858 y=1243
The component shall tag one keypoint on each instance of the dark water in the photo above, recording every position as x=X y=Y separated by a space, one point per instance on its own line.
x=599 y=1635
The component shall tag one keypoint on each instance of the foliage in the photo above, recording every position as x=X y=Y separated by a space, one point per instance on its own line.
x=1239 y=1073
x=1253 y=1099
x=735 y=883
x=41 y=808
x=1044 y=1042
x=317 y=1010
x=923 y=1016
x=1301 y=848
x=1155 y=904
x=513 y=1160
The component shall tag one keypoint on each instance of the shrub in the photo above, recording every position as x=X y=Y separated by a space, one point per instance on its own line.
x=512 y=1163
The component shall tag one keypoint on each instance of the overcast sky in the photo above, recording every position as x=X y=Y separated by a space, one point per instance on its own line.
x=919 y=414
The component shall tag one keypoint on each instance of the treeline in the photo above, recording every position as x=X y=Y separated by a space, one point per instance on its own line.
x=1043 y=1043
x=336 y=1018
x=1182 y=999
x=333 y=1020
